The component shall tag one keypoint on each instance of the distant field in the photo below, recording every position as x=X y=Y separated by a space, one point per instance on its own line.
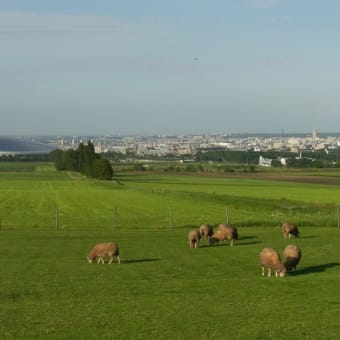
x=163 y=289
x=34 y=195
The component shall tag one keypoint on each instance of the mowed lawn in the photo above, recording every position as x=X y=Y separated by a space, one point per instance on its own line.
x=163 y=289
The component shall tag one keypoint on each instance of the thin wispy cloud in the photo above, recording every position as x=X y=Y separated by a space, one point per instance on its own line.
x=267 y=4
x=30 y=23
x=278 y=62
x=263 y=4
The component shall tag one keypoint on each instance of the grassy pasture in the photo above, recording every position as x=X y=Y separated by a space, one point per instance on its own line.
x=163 y=289
x=36 y=196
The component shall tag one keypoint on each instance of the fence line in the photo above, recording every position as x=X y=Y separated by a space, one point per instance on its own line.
x=118 y=218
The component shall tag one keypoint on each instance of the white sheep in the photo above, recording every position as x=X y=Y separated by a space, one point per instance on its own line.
x=270 y=258
x=223 y=233
x=290 y=230
x=101 y=250
x=194 y=238
x=206 y=230
x=292 y=255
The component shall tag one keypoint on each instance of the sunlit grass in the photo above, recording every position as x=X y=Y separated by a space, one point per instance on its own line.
x=165 y=290
x=39 y=197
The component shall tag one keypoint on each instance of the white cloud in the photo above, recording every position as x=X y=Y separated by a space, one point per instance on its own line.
x=28 y=23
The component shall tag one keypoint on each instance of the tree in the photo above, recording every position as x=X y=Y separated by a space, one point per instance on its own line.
x=276 y=163
x=83 y=160
x=101 y=169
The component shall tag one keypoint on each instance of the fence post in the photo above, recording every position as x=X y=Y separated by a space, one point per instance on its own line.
x=338 y=214
x=0 y=219
x=226 y=214
x=114 y=216
x=56 y=218
x=170 y=207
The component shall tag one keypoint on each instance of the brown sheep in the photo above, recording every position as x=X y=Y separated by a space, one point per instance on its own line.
x=206 y=230
x=102 y=250
x=290 y=230
x=292 y=255
x=224 y=232
x=270 y=258
x=194 y=237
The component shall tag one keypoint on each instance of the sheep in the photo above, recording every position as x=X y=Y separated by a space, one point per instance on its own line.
x=194 y=237
x=206 y=230
x=290 y=230
x=101 y=250
x=270 y=258
x=292 y=255
x=223 y=233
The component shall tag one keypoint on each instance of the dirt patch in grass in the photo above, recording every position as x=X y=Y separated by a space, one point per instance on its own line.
x=291 y=178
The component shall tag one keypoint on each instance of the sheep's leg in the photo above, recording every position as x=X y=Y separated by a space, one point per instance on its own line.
x=262 y=271
x=231 y=243
x=111 y=259
x=269 y=272
x=118 y=259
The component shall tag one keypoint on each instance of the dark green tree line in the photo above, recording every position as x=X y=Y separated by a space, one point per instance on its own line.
x=83 y=160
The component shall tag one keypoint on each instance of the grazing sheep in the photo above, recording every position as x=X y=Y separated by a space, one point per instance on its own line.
x=206 y=230
x=102 y=250
x=270 y=258
x=290 y=230
x=194 y=237
x=292 y=255
x=223 y=233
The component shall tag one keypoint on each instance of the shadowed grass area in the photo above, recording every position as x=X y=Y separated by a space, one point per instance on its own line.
x=163 y=289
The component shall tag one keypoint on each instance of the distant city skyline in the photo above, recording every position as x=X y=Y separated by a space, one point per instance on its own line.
x=147 y=67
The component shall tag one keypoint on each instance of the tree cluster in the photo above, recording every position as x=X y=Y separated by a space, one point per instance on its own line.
x=83 y=160
x=26 y=158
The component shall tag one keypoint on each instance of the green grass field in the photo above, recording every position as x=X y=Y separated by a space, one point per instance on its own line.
x=162 y=289
x=36 y=196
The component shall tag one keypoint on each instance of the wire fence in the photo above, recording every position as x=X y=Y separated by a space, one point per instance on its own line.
x=118 y=218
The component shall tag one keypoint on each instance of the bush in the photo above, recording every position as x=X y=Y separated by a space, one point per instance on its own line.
x=101 y=169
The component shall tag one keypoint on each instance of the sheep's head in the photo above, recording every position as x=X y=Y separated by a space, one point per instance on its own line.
x=212 y=240
x=281 y=272
x=290 y=263
x=89 y=259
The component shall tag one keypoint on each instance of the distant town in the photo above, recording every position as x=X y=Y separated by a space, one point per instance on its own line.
x=162 y=145
x=281 y=150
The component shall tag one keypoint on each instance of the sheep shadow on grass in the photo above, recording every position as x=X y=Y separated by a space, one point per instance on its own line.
x=140 y=260
x=314 y=269
x=309 y=236
x=249 y=237
x=237 y=243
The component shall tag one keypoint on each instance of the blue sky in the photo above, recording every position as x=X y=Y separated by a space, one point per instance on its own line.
x=163 y=67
